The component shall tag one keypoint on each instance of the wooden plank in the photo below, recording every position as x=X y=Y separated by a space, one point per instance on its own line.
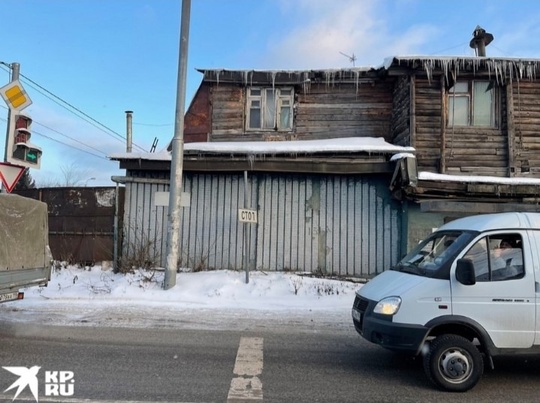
x=412 y=111
x=467 y=208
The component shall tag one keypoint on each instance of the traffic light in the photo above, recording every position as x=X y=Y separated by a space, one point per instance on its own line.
x=19 y=149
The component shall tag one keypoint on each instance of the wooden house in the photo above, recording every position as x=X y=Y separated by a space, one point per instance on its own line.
x=454 y=136
x=310 y=151
x=473 y=124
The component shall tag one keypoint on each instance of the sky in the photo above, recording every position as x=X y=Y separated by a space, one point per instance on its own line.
x=138 y=300
x=85 y=62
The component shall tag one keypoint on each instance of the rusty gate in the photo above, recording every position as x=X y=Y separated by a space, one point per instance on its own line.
x=82 y=221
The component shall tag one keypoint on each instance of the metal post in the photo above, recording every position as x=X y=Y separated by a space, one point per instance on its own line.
x=116 y=229
x=246 y=229
x=129 y=131
x=15 y=71
x=177 y=158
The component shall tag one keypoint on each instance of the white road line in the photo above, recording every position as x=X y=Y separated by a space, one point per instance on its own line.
x=246 y=386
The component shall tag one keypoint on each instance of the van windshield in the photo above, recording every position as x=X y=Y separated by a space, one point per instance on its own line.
x=433 y=256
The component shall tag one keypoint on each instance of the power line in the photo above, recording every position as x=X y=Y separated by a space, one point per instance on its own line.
x=87 y=118
x=65 y=144
x=69 y=145
x=152 y=124
x=71 y=138
x=61 y=134
x=73 y=109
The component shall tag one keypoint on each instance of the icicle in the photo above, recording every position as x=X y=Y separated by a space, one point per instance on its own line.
x=251 y=160
x=274 y=73
x=306 y=82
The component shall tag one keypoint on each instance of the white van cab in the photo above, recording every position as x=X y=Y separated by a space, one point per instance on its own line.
x=468 y=292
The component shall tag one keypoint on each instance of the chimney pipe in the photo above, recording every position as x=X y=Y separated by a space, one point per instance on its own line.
x=480 y=40
x=129 y=136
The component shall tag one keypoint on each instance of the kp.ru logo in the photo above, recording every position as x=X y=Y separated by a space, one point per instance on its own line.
x=57 y=383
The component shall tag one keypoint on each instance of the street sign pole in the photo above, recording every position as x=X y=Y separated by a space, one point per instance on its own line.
x=15 y=71
x=246 y=228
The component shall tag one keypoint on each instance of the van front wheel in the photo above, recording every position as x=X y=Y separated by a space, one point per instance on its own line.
x=453 y=363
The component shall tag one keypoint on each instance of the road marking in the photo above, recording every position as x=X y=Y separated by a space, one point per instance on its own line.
x=247 y=386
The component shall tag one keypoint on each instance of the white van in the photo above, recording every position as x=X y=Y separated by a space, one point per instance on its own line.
x=469 y=292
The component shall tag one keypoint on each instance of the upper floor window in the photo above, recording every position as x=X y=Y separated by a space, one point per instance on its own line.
x=471 y=103
x=269 y=109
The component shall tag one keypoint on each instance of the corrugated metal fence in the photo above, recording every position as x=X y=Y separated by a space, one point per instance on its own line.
x=334 y=225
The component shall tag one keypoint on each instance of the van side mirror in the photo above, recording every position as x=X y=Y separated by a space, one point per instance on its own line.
x=465 y=272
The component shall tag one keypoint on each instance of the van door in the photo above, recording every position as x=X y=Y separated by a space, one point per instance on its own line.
x=503 y=300
x=534 y=237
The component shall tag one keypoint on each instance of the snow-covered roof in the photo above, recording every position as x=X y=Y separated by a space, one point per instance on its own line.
x=290 y=77
x=338 y=145
x=433 y=177
x=500 y=68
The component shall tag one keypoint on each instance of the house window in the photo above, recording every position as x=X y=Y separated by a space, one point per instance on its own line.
x=269 y=109
x=471 y=103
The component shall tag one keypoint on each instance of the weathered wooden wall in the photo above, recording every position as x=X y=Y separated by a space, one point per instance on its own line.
x=345 y=110
x=427 y=131
x=526 y=141
x=465 y=150
x=401 y=112
x=321 y=112
x=227 y=113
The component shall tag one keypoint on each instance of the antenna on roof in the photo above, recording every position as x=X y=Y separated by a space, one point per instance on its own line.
x=154 y=145
x=352 y=58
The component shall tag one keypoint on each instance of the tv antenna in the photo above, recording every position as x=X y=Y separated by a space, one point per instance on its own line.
x=154 y=145
x=352 y=58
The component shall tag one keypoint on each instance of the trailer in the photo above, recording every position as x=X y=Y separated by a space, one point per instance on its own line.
x=25 y=257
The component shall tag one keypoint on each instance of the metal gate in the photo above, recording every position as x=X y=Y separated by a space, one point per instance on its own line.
x=339 y=225
x=81 y=221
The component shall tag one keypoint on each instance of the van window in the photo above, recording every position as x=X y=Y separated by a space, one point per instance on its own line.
x=497 y=258
x=433 y=256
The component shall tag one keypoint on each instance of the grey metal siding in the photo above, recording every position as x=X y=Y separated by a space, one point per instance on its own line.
x=328 y=224
x=339 y=225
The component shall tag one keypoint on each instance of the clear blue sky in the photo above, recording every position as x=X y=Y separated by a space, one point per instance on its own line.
x=106 y=57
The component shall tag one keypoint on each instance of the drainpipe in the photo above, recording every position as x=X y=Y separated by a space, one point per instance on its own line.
x=129 y=136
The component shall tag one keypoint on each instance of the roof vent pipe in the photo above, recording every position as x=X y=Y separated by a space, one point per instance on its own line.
x=480 y=40
x=129 y=135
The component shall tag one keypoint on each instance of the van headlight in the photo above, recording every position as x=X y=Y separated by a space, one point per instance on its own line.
x=388 y=306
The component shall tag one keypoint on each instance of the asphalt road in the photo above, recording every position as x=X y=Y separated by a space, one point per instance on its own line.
x=276 y=364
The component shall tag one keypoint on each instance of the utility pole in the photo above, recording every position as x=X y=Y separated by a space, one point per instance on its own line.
x=177 y=158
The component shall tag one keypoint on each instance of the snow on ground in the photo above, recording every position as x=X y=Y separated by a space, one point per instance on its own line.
x=93 y=296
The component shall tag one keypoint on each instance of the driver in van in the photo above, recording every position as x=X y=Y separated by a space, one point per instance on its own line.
x=508 y=256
